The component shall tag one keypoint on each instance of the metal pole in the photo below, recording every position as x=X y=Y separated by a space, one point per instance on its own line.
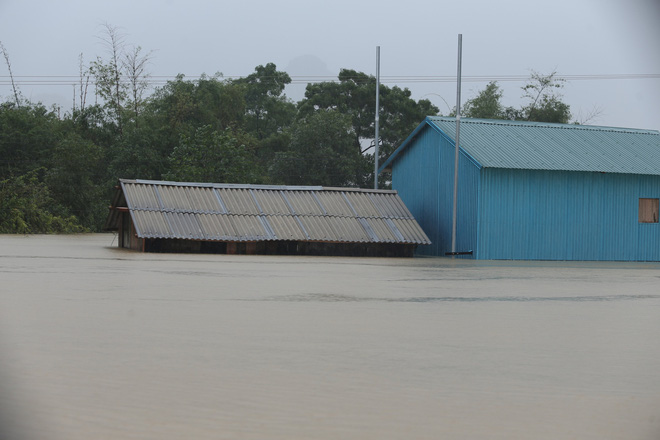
x=458 y=132
x=377 y=116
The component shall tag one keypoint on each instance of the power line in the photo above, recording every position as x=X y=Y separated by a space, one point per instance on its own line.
x=156 y=80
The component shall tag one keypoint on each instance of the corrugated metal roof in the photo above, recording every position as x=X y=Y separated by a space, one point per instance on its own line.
x=236 y=200
x=303 y=203
x=256 y=213
x=217 y=227
x=142 y=195
x=285 y=227
x=333 y=205
x=546 y=146
x=271 y=202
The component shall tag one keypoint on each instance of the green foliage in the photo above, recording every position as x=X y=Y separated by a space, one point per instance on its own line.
x=268 y=148
x=120 y=80
x=544 y=102
x=355 y=96
x=548 y=109
x=208 y=101
x=26 y=207
x=140 y=153
x=321 y=153
x=219 y=103
x=75 y=179
x=399 y=115
x=486 y=105
x=110 y=87
x=176 y=110
x=268 y=112
x=56 y=173
x=92 y=124
x=267 y=109
x=211 y=156
x=26 y=135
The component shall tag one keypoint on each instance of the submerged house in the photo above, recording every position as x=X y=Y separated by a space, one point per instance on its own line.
x=533 y=191
x=156 y=216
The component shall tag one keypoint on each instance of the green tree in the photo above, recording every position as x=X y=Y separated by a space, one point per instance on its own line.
x=109 y=75
x=26 y=207
x=75 y=180
x=541 y=93
x=27 y=133
x=120 y=80
x=91 y=123
x=140 y=154
x=321 y=153
x=355 y=96
x=174 y=103
x=174 y=111
x=544 y=99
x=267 y=110
x=486 y=105
x=212 y=156
x=185 y=105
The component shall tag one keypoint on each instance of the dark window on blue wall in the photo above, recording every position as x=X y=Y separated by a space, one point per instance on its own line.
x=648 y=210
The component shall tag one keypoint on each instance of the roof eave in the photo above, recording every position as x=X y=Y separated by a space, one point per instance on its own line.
x=428 y=122
x=387 y=165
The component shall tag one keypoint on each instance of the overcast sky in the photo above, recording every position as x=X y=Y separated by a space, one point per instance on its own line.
x=598 y=38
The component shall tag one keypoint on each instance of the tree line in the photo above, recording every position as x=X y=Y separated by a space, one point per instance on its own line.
x=57 y=172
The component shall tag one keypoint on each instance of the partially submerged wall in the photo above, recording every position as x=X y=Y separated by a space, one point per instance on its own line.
x=280 y=248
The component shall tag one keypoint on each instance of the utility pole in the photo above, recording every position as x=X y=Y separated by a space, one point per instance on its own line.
x=377 y=116
x=456 y=153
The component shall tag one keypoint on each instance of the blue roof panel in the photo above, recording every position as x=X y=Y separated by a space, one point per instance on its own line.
x=546 y=146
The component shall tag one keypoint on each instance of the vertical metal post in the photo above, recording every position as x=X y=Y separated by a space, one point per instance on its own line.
x=456 y=153
x=377 y=117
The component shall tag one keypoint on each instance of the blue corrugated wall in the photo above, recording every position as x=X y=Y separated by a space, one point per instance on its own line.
x=424 y=178
x=524 y=214
x=561 y=215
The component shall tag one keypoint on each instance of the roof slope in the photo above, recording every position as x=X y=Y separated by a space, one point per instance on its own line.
x=225 y=212
x=546 y=146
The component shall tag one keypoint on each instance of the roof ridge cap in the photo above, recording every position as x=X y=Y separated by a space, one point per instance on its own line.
x=543 y=124
x=257 y=186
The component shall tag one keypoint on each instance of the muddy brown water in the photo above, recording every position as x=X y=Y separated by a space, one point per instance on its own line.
x=102 y=343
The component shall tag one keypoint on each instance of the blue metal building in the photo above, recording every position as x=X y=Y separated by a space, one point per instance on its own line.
x=533 y=191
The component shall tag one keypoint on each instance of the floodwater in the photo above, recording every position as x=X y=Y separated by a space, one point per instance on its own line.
x=102 y=343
